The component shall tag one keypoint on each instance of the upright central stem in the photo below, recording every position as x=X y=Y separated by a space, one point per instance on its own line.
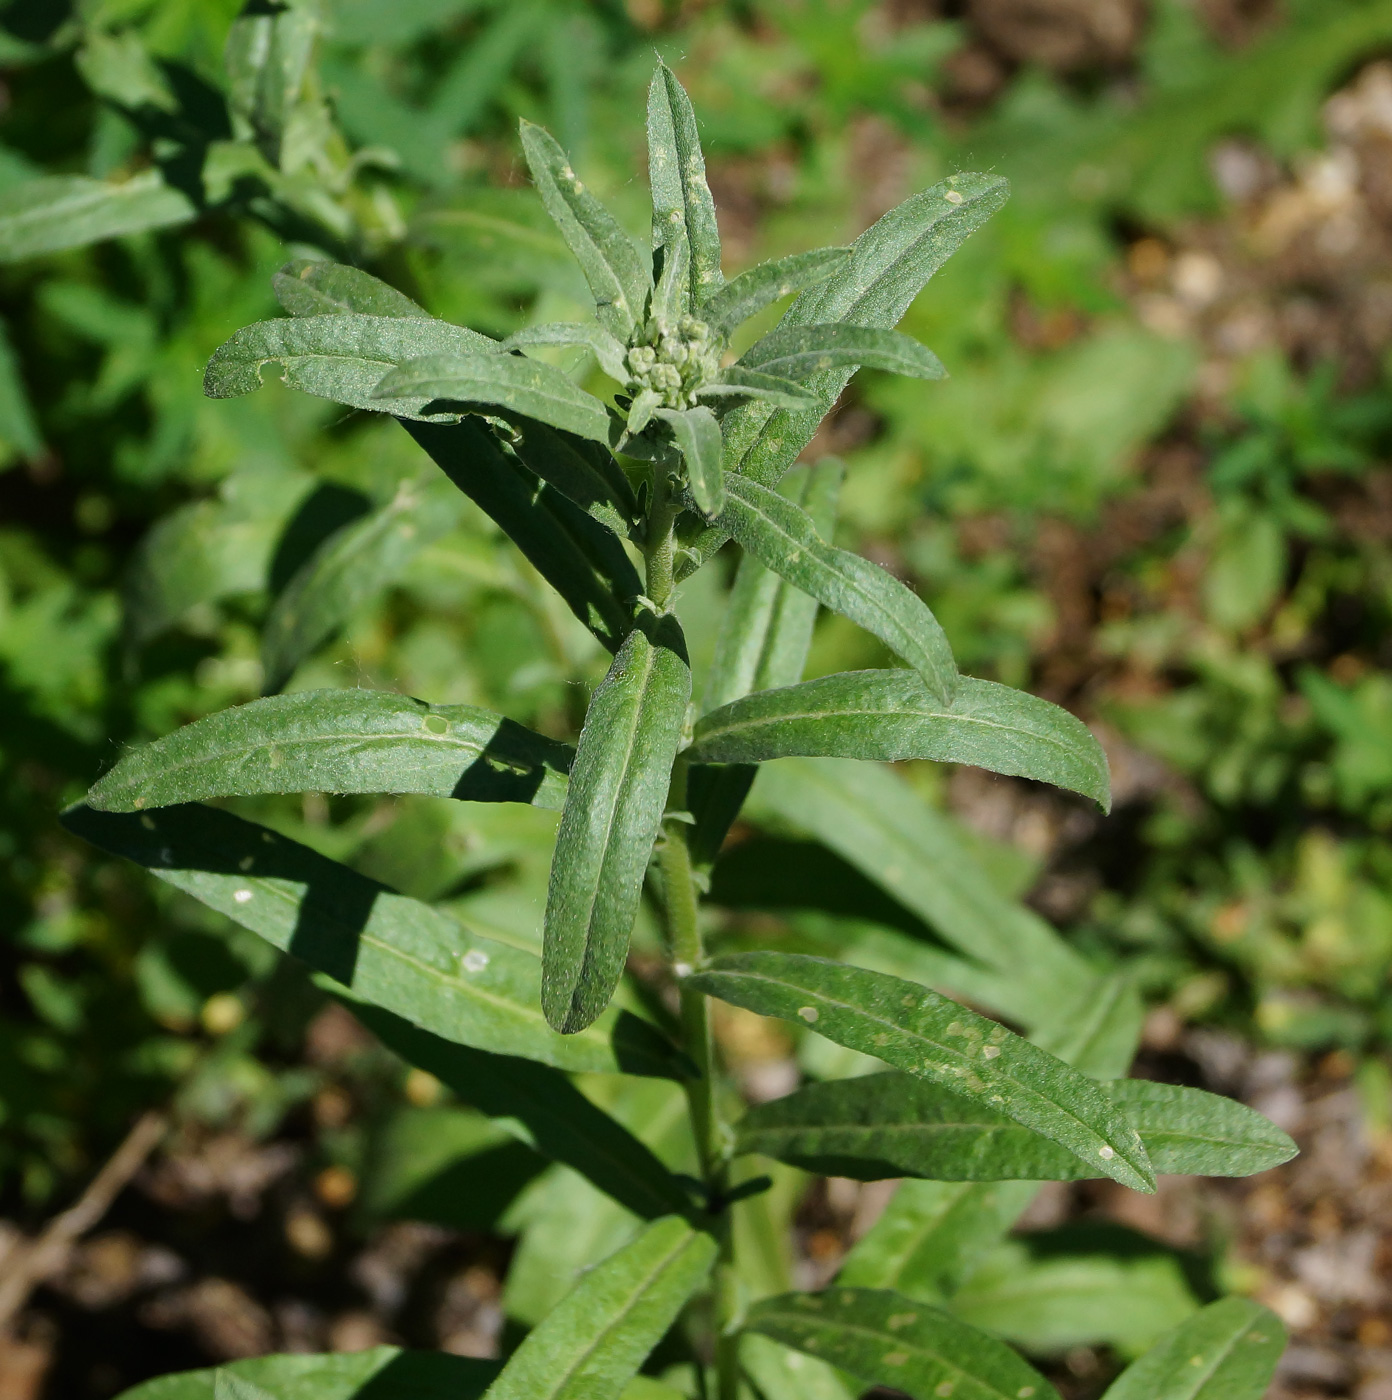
x=684 y=933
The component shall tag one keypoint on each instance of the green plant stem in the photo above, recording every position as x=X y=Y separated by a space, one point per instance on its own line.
x=661 y=539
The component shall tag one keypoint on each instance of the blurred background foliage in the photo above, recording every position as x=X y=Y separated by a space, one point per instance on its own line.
x=1156 y=489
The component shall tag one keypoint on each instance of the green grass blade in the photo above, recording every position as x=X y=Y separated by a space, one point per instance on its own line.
x=341 y=357
x=610 y=260
x=70 y=211
x=392 y=951
x=578 y=557
x=348 y=570
x=341 y=741
x=593 y=1342
x=884 y=1338
x=1226 y=1351
x=746 y=295
x=544 y=1109
x=893 y=1125
x=681 y=199
x=313 y=287
x=891 y=715
x=783 y=538
x=799 y=352
x=618 y=789
x=512 y=383
x=927 y=1035
x=697 y=436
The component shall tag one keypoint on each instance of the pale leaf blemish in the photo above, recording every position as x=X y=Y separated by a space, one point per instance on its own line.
x=953 y=197
x=901 y=1320
x=1196 y=1360
x=437 y=724
x=241 y=896
x=908 y=1000
x=896 y=1358
x=148 y=822
x=810 y=1014
x=882 y=1039
x=990 y=1052
x=1024 y=1392
x=1106 y=1154
x=944 y=1388
x=475 y=960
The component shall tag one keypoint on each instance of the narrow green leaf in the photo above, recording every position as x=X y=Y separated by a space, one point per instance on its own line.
x=929 y=1036
x=737 y=384
x=697 y=436
x=893 y=1125
x=1099 y=1033
x=799 y=352
x=618 y=789
x=891 y=715
x=395 y=952
x=608 y=351
x=227 y=1386
x=18 y=428
x=579 y=558
x=872 y=818
x=342 y=357
x=746 y=295
x=612 y=265
x=593 y=1342
x=781 y=1374
x=69 y=211
x=682 y=207
x=267 y=57
x=118 y=67
x=1226 y=1351
x=782 y=537
x=341 y=741
x=312 y=287
x=933 y=1234
x=585 y=472
x=512 y=383
x=380 y=1373
x=672 y=294
x=541 y=1107
x=889 y=264
x=887 y=1339
x=349 y=569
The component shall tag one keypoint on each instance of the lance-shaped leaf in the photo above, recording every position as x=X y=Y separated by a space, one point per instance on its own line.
x=892 y=1125
x=697 y=436
x=340 y=356
x=746 y=295
x=799 y=352
x=608 y=351
x=267 y=57
x=593 y=1342
x=782 y=537
x=341 y=741
x=544 y=1109
x=392 y=951
x=891 y=715
x=682 y=207
x=927 y=1035
x=311 y=287
x=380 y=1373
x=1226 y=1351
x=608 y=257
x=578 y=557
x=933 y=1234
x=887 y=1339
x=512 y=383
x=348 y=570
x=737 y=384
x=618 y=788
x=672 y=294
x=18 y=427
x=69 y=211
x=888 y=266
x=584 y=472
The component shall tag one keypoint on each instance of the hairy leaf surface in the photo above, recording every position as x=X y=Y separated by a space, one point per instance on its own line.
x=594 y=1341
x=783 y=538
x=310 y=287
x=929 y=1036
x=341 y=741
x=618 y=788
x=583 y=471
x=798 y=352
x=1226 y=1351
x=892 y=1125
x=387 y=949
x=608 y=351
x=887 y=1339
x=697 y=436
x=746 y=295
x=610 y=260
x=892 y=715
x=341 y=356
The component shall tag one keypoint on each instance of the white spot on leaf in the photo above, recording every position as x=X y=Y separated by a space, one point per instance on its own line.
x=1106 y=1154
x=475 y=960
x=241 y=896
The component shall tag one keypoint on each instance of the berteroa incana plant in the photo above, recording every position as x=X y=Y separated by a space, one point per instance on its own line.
x=694 y=450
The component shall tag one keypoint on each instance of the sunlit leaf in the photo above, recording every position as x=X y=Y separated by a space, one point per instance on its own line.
x=309 y=287
x=799 y=352
x=746 y=295
x=69 y=211
x=697 y=436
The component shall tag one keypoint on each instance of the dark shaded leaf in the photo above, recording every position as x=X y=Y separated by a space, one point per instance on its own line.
x=584 y=472
x=697 y=436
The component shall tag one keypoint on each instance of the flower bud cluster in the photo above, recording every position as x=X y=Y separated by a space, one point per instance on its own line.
x=674 y=361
